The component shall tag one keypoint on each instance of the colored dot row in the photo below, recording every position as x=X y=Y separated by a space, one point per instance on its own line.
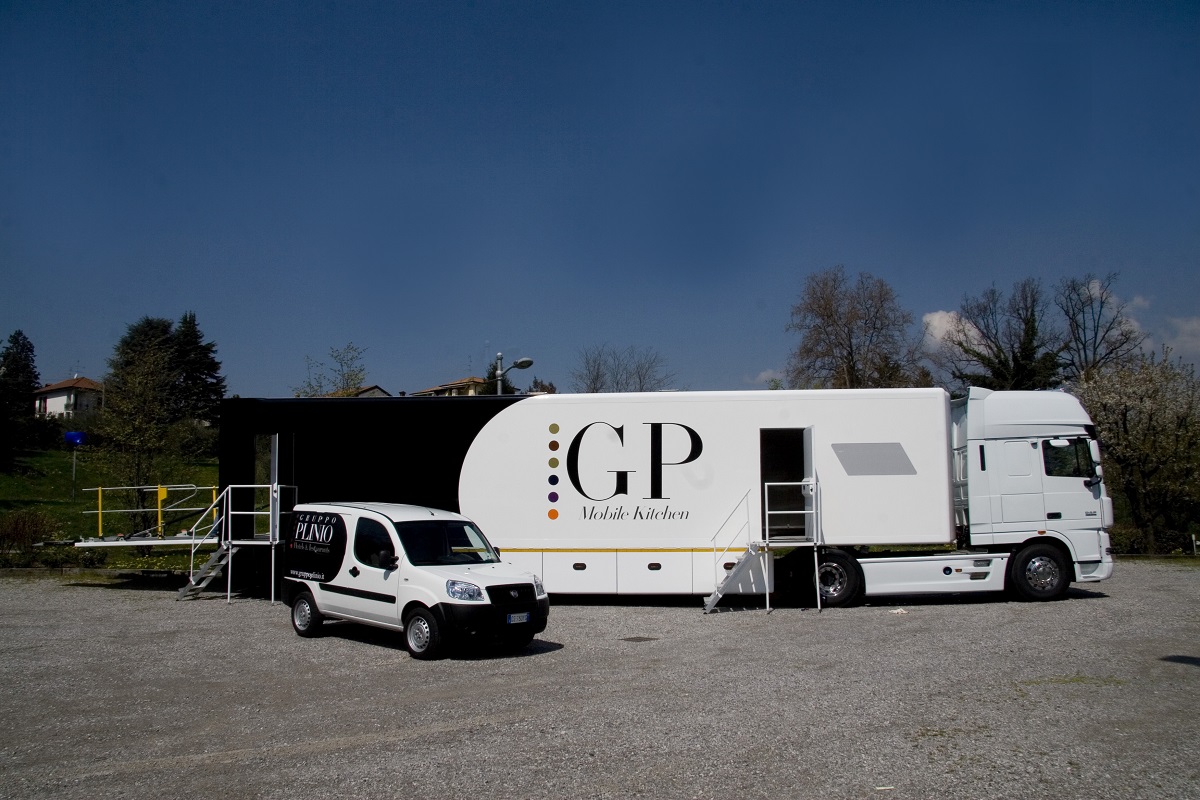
x=553 y=464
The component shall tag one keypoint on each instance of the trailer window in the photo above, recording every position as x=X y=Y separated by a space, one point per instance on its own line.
x=444 y=542
x=373 y=544
x=1072 y=461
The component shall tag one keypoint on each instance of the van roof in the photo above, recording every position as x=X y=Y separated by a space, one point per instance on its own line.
x=396 y=512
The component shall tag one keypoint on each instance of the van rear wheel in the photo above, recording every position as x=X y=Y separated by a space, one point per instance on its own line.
x=306 y=619
x=422 y=635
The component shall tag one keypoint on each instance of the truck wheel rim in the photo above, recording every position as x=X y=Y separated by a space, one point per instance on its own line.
x=833 y=580
x=1042 y=573
x=418 y=634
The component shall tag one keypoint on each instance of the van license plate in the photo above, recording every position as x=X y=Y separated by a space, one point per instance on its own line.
x=515 y=618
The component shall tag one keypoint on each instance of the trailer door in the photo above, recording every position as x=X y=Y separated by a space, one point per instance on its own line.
x=785 y=459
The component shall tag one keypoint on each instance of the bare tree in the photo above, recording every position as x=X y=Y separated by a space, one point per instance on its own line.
x=604 y=368
x=343 y=378
x=1099 y=331
x=853 y=335
x=996 y=342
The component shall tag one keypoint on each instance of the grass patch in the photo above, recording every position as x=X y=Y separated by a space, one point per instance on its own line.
x=43 y=481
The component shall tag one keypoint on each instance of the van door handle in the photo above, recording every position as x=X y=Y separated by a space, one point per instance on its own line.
x=354 y=572
x=1054 y=515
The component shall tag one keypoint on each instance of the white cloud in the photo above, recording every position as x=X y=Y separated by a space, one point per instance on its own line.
x=1183 y=338
x=768 y=375
x=937 y=325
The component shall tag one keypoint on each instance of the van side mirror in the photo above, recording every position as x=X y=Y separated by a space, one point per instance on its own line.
x=391 y=563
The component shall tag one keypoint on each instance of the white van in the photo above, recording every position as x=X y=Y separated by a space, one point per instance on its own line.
x=431 y=574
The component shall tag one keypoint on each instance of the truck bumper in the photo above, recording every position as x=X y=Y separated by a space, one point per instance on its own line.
x=1092 y=571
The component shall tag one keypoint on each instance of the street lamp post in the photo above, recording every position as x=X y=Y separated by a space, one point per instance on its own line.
x=520 y=363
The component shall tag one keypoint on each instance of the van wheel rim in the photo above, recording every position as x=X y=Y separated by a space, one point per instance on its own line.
x=418 y=634
x=302 y=615
x=1042 y=573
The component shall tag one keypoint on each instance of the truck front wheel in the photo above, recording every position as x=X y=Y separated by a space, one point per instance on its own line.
x=422 y=635
x=838 y=578
x=1039 y=572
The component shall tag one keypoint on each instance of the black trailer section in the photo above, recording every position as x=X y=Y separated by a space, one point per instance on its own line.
x=385 y=449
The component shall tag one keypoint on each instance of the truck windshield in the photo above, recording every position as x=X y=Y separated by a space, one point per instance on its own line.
x=433 y=543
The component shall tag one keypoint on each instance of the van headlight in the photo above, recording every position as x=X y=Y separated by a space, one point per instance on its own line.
x=538 y=589
x=461 y=590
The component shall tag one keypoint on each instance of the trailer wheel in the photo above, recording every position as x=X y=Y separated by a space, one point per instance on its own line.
x=422 y=635
x=1039 y=572
x=306 y=619
x=839 y=578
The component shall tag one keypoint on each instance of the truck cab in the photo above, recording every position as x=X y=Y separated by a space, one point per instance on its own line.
x=428 y=573
x=1028 y=481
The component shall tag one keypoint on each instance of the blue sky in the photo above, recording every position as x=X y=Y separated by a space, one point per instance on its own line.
x=437 y=182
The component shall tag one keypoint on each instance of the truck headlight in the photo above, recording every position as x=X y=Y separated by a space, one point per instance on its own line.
x=538 y=589
x=461 y=590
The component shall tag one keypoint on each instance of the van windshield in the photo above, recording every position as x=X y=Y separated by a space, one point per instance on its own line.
x=440 y=542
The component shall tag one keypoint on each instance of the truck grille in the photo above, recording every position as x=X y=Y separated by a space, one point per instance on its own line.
x=511 y=594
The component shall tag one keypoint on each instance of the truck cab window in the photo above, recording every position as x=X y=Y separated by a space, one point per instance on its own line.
x=1067 y=458
x=373 y=544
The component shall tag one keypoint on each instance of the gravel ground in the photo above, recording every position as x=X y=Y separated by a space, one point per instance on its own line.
x=116 y=690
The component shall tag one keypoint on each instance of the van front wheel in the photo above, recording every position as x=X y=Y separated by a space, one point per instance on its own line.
x=422 y=635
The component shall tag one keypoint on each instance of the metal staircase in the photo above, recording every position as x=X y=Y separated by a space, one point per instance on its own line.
x=258 y=503
x=213 y=568
x=754 y=550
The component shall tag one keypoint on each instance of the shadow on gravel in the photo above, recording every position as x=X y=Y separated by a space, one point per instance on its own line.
x=1191 y=661
x=134 y=581
x=394 y=640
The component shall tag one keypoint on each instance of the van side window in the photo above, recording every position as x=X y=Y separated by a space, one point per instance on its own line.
x=373 y=544
x=1074 y=461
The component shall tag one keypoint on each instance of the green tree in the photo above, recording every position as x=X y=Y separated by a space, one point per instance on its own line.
x=19 y=380
x=345 y=376
x=162 y=389
x=1147 y=412
x=1000 y=343
x=854 y=334
x=137 y=433
x=200 y=386
x=539 y=386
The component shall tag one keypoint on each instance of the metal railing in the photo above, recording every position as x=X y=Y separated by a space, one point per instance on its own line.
x=733 y=540
x=807 y=516
x=162 y=495
x=225 y=512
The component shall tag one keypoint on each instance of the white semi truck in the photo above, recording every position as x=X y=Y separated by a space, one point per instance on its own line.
x=688 y=493
x=875 y=492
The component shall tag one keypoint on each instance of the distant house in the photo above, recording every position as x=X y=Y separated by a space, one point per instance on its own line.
x=370 y=391
x=68 y=398
x=467 y=387
x=362 y=391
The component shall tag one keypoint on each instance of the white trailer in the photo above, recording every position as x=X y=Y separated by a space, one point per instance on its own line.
x=688 y=493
